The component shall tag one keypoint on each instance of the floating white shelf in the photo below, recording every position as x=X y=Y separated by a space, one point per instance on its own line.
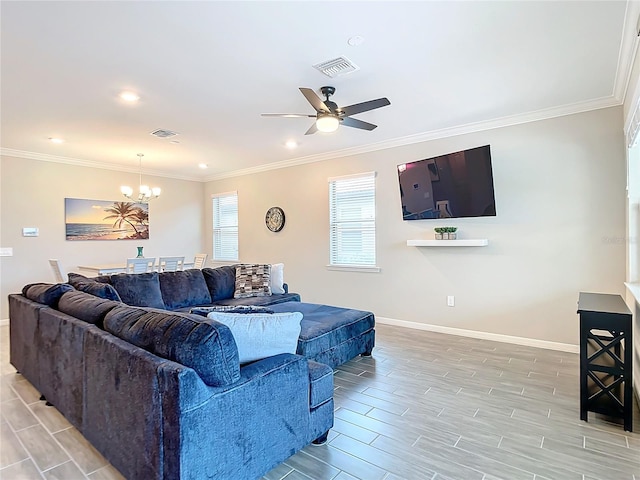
x=465 y=242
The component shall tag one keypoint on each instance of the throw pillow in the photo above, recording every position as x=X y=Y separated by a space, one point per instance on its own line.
x=221 y=281
x=184 y=289
x=252 y=280
x=102 y=290
x=260 y=336
x=139 y=289
x=204 y=311
x=45 y=292
x=277 y=278
x=76 y=278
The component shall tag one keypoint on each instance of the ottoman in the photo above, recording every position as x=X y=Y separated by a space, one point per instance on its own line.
x=331 y=335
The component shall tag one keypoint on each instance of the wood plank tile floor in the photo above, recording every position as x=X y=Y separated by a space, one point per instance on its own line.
x=424 y=406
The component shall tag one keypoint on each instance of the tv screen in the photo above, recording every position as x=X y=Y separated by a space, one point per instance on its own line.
x=455 y=185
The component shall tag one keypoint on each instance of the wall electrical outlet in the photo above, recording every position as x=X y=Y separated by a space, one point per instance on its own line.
x=451 y=301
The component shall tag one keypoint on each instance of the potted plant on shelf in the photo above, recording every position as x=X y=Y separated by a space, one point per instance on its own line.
x=452 y=232
x=439 y=232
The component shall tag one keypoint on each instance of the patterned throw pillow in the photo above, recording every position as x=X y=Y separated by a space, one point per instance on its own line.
x=252 y=280
x=204 y=311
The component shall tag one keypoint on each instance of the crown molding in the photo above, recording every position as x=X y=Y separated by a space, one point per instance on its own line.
x=44 y=157
x=534 y=116
x=628 y=50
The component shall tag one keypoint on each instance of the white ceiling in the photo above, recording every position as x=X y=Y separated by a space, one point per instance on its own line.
x=209 y=69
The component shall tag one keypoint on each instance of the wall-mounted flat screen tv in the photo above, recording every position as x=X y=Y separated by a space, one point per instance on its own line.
x=455 y=185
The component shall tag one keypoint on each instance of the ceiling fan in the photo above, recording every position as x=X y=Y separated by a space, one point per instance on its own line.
x=329 y=116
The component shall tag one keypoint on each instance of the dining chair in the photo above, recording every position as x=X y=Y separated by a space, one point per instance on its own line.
x=140 y=265
x=57 y=270
x=199 y=260
x=170 y=264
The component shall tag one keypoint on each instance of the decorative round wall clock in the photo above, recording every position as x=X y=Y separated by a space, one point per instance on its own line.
x=274 y=219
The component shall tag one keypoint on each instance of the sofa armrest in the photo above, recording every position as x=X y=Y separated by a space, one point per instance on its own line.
x=270 y=365
x=254 y=424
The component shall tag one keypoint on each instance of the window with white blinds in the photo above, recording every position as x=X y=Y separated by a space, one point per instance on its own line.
x=352 y=217
x=225 y=226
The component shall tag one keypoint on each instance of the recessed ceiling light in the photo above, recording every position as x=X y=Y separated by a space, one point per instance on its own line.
x=129 y=96
x=56 y=140
x=203 y=165
x=291 y=144
x=355 y=40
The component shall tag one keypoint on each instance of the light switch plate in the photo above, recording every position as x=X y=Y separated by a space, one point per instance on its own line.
x=6 y=252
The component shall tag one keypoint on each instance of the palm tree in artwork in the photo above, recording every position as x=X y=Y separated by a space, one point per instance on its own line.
x=141 y=216
x=123 y=212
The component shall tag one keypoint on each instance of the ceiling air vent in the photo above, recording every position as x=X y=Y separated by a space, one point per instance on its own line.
x=336 y=67
x=161 y=133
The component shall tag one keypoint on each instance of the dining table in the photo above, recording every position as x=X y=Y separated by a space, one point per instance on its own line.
x=110 y=268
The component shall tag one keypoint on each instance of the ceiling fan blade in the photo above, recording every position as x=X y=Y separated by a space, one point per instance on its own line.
x=312 y=129
x=365 y=106
x=352 y=122
x=315 y=101
x=288 y=115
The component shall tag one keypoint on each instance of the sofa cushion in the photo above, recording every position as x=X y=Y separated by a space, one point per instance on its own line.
x=260 y=335
x=277 y=278
x=252 y=280
x=76 y=278
x=203 y=345
x=92 y=285
x=184 y=289
x=46 y=292
x=86 y=307
x=221 y=281
x=325 y=327
x=139 y=290
x=102 y=290
x=320 y=383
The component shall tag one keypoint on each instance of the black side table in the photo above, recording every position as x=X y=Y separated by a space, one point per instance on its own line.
x=606 y=346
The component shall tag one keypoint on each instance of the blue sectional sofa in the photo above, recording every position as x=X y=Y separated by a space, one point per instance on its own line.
x=161 y=392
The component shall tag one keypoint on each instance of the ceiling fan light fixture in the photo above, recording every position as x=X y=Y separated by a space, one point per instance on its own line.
x=129 y=96
x=327 y=123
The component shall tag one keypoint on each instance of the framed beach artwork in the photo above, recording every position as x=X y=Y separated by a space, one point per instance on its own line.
x=103 y=220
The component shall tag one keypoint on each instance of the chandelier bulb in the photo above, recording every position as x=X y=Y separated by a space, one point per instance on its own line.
x=145 y=193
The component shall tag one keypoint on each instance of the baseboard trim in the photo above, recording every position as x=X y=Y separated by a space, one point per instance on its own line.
x=496 y=337
x=4 y=321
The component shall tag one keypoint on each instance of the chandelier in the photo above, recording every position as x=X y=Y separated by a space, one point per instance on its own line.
x=144 y=192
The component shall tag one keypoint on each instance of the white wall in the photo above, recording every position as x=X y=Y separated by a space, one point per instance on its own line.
x=32 y=195
x=561 y=214
x=632 y=98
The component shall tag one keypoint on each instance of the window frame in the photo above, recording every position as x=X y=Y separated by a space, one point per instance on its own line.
x=224 y=228
x=334 y=225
